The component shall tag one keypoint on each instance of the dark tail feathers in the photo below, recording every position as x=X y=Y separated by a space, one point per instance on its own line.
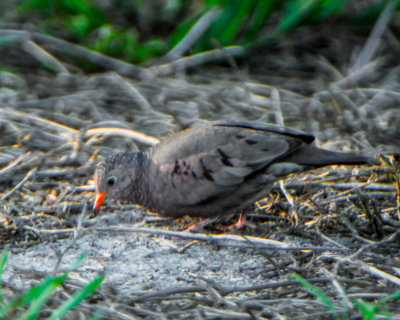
x=311 y=156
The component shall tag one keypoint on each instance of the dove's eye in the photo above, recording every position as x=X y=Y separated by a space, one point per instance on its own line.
x=111 y=180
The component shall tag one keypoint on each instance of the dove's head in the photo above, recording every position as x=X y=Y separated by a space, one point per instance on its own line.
x=118 y=177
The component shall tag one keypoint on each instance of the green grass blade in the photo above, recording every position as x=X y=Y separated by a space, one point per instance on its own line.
x=393 y=296
x=370 y=310
x=78 y=262
x=297 y=13
x=236 y=17
x=260 y=15
x=314 y=290
x=77 y=298
x=330 y=8
x=3 y=261
x=37 y=295
x=40 y=294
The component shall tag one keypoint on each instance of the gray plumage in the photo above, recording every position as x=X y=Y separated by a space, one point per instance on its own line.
x=212 y=169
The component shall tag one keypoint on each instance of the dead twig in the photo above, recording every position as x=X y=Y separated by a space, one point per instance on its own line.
x=28 y=176
x=44 y=57
x=193 y=35
x=132 y=134
x=195 y=60
x=62 y=48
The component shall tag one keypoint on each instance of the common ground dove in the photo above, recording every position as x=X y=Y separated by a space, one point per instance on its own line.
x=211 y=169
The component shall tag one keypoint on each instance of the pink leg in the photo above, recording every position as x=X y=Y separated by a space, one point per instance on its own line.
x=242 y=222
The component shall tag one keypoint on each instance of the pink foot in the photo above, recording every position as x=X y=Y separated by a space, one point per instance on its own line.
x=242 y=222
x=196 y=227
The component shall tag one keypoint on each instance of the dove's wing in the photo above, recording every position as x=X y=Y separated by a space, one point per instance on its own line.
x=212 y=160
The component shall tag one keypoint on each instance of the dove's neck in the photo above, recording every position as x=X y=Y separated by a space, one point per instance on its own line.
x=135 y=189
x=150 y=185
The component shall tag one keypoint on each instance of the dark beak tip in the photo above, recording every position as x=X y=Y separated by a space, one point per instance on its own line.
x=95 y=211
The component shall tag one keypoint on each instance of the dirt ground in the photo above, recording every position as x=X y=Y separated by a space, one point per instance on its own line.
x=337 y=227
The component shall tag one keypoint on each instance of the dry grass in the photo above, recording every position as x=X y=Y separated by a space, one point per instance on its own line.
x=338 y=227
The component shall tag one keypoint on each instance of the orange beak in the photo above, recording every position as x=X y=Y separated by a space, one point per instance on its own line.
x=100 y=197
